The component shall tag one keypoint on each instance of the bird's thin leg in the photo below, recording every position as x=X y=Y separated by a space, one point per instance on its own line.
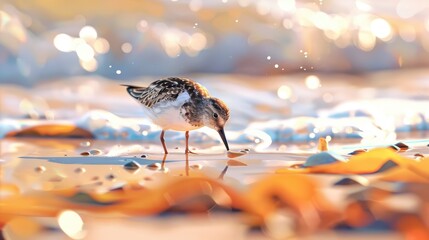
x=163 y=142
x=187 y=143
x=187 y=164
x=163 y=161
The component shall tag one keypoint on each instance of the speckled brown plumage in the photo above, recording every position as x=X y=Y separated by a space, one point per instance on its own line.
x=167 y=89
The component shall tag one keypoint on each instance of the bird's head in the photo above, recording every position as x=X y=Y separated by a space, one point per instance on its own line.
x=216 y=114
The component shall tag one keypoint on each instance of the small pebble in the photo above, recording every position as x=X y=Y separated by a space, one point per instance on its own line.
x=95 y=178
x=196 y=166
x=323 y=158
x=418 y=155
x=110 y=177
x=246 y=150
x=80 y=170
x=297 y=165
x=154 y=166
x=56 y=179
x=40 y=169
x=98 y=183
x=147 y=178
x=132 y=166
x=95 y=152
x=394 y=148
x=352 y=180
x=402 y=146
x=358 y=151
x=84 y=153
x=143 y=156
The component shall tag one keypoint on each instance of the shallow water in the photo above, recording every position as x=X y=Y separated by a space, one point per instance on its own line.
x=372 y=108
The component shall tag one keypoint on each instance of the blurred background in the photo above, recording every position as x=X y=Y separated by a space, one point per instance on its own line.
x=290 y=70
x=49 y=39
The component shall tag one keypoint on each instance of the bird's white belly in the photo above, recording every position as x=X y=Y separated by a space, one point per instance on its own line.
x=167 y=114
x=172 y=119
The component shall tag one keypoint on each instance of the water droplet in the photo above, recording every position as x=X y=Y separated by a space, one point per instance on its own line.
x=276 y=66
x=40 y=169
x=312 y=82
x=118 y=71
x=80 y=170
x=85 y=144
x=71 y=224
x=268 y=57
x=284 y=92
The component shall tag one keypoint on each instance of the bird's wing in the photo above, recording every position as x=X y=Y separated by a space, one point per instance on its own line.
x=158 y=91
x=167 y=89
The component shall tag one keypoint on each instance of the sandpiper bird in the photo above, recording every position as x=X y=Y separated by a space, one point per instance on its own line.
x=181 y=104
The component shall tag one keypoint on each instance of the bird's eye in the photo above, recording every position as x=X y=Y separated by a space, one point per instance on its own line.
x=215 y=115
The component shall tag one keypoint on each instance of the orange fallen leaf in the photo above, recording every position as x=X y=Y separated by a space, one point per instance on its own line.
x=364 y=163
x=52 y=130
x=323 y=145
x=294 y=191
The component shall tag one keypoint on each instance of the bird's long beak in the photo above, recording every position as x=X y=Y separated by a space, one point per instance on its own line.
x=222 y=135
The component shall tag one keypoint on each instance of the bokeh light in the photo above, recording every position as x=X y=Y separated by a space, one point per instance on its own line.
x=64 y=42
x=88 y=33
x=312 y=82
x=72 y=224
x=284 y=92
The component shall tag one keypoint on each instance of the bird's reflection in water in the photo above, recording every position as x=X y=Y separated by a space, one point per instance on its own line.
x=164 y=158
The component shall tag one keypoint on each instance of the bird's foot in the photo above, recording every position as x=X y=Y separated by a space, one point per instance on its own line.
x=187 y=151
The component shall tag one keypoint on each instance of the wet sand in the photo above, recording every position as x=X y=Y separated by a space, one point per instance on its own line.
x=47 y=165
